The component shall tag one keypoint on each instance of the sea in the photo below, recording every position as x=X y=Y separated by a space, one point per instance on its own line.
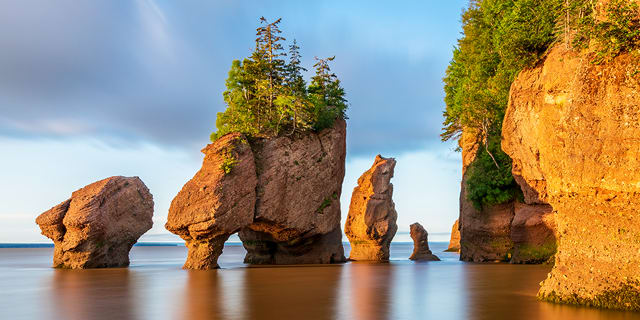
x=155 y=287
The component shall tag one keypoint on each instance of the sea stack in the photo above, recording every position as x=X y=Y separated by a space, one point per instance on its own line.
x=572 y=128
x=454 y=242
x=217 y=202
x=99 y=224
x=371 y=223
x=421 y=250
x=281 y=194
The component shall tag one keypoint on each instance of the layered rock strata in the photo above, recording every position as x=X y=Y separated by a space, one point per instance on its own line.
x=454 y=242
x=371 y=223
x=421 y=250
x=99 y=224
x=281 y=194
x=572 y=129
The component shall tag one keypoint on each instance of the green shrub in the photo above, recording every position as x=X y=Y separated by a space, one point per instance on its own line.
x=488 y=184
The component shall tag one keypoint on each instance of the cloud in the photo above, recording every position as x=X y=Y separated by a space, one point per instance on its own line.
x=153 y=72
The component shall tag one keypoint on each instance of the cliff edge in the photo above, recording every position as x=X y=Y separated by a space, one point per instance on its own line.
x=572 y=129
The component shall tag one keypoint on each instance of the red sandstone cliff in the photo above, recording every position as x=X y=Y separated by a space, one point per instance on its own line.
x=573 y=131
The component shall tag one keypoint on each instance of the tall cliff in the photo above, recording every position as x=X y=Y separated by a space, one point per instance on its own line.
x=572 y=129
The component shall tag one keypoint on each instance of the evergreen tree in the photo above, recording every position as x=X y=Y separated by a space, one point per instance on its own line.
x=266 y=96
x=327 y=95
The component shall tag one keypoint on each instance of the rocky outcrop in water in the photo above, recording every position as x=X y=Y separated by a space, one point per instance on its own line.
x=99 y=224
x=421 y=250
x=217 y=202
x=454 y=242
x=510 y=232
x=297 y=217
x=371 y=223
x=572 y=129
x=281 y=194
x=485 y=235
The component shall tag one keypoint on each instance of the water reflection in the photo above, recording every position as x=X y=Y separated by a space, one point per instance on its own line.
x=156 y=289
x=366 y=291
x=92 y=294
x=291 y=293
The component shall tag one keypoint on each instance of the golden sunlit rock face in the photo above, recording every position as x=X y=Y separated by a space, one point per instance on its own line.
x=99 y=224
x=573 y=130
x=281 y=194
x=216 y=202
x=454 y=242
x=371 y=223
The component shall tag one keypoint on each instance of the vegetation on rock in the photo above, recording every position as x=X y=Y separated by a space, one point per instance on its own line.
x=500 y=39
x=267 y=96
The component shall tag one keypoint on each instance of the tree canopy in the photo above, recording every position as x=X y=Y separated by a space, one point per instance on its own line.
x=500 y=38
x=267 y=96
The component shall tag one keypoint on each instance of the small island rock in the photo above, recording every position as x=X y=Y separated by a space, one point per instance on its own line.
x=371 y=223
x=99 y=224
x=421 y=250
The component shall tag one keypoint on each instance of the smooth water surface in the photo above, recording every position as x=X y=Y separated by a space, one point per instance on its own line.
x=155 y=287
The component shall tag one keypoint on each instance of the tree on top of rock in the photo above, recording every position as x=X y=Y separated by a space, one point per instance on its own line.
x=267 y=96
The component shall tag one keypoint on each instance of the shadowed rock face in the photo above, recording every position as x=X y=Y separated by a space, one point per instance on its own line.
x=421 y=250
x=371 y=223
x=215 y=203
x=572 y=130
x=509 y=232
x=281 y=194
x=454 y=242
x=99 y=224
x=297 y=217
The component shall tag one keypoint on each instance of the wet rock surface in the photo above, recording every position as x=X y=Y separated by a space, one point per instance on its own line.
x=99 y=224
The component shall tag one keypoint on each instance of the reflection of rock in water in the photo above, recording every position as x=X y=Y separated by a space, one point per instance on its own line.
x=369 y=288
x=203 y=297
x=92 y=294
x=291 y=293
x=498 y=283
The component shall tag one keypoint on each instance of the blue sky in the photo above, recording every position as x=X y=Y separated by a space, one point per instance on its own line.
x=91 y=89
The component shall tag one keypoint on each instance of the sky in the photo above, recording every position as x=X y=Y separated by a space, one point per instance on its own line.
x=92 y=89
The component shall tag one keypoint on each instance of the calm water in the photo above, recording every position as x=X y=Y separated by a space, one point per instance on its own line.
x=155 y=287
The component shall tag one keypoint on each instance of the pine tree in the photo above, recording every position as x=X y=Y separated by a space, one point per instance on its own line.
x=266 y=96
x=326 y=95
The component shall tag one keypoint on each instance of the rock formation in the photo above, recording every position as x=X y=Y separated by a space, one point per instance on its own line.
x=99 y=224
x=421 y=250
x=572 y=128
x=485 y=235
x=533 y=233
x=297 y=217
x=454 y=242
x=509 y=232
x=217 y=202
x=371 y=223
x=281 y=194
